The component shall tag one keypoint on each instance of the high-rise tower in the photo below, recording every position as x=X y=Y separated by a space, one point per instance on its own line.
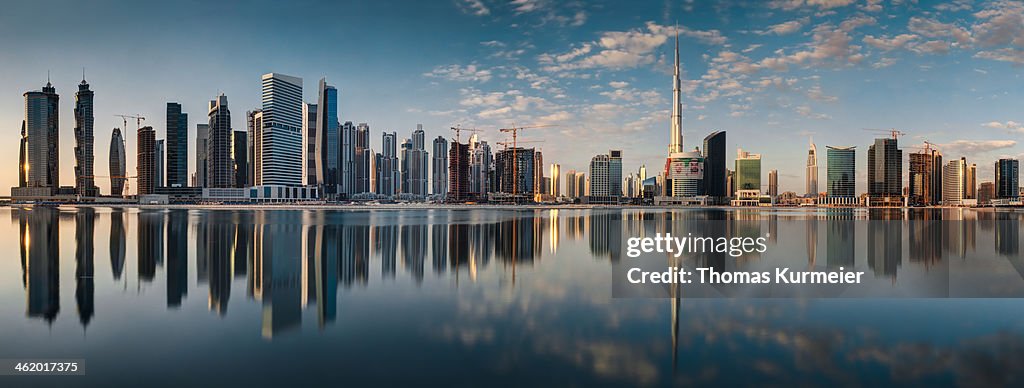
x=328 y=140
x=117 y=163
x=177 y=146
x=676 y=143
x=278 y=143
x=812 y=170
x=42 y=138
x=220 y=170
x=85 y=184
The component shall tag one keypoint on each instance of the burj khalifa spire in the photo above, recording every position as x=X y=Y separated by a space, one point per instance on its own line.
x=676 y=144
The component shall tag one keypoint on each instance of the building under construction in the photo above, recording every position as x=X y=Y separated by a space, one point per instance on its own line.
x=925 y=185
x=514 y=173
x=458 y=172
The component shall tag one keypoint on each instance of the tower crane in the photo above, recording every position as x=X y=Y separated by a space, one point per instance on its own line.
x=891 y=132
x=515 y=146
x=138 y=120
x=458 y=129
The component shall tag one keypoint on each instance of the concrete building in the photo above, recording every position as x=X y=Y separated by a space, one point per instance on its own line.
x=925 y=179
x=481 y=168
x=458 y=172
x=514 y=172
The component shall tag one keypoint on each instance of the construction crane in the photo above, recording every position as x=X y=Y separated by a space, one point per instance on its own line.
x=138 y=120
x=515 y=147
x=458 y=129
x=891 y=132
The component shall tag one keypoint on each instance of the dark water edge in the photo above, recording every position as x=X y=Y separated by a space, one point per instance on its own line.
x=471 y=297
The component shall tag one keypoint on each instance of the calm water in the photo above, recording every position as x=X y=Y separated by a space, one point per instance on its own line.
x=486 y=297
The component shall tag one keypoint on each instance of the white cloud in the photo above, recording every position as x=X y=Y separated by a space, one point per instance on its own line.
x=473 y=7
x=931 y=28
x=456 y=72
x=623 y=49
x=790 y=5
x=1009 y=125
x=887 y=43
x=806 y=111
x=972 y=147
x=618 y=84
x=1011 y=55
x=786 y=27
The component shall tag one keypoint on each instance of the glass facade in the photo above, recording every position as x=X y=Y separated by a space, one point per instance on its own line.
x=841 y=171
x=1007 y=176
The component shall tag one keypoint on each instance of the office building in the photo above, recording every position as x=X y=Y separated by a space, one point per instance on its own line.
x=439 y=167
x=606 y=178
x=158 y=164
x=1006 y=180
x=177 y=146
x=812 y=171
x=538 y=173
x=240 y=151
x=310 y=117
x=202 y=149
x=145 y=161
x=85 y=184
x=885 y=176
x=971 y=182
x=415 y=162
x=481 y=168
x=714 y=167
x=347 y=163
x=116 y=163
x=254 y=120
x=328 y=140
x=773 y=184
x=954 y=176
x=220 y=171
x=556 y=180
x=278 y=143
x=986 y=192
x=748 y=171
x=841 y=175
x=641 y=176
x=581 y=185
x=42 y=138
x=363 y=156
x=570 y=184
x=389 y=178
x=684 y=177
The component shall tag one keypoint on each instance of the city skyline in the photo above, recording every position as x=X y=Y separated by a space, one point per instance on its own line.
x=945 y=70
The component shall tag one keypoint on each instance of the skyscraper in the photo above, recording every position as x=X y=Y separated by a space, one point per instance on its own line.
x=254 y=120
x=328 y=140
x=415 y=163
x=481 y=162
x=439 y=167
x=773 y=183
x=85 y=184
x=953 y=182
x=240 y=150
x=676 y=136
x=885 y=176
x=1007 y=177
x=177 y=146
x=570 y=184
x=279 y=140
x=117 y=163
x=748 y=171
x=606 y=177
x=925 y=179
x=714 y=166
x=389 y=180
x=220 y=172
x=841 y=174
x=23 y=158
x=310 y=117
x=202 y=150
x=538 y=172
x=42 y=135
x=513 y=168
x=458 y=172
x=158 y=164
x=145 y=161
x=363 y=156
x=971 y=181
x=812 y=171
x=556 y=180
x=347 y=155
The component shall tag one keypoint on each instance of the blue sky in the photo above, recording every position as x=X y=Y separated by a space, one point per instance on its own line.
x=770 y=73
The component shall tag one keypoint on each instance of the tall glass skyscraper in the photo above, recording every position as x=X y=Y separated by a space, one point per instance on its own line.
x=146 y=158
x=220 y=171
x=117 y=163
x=885 y=175
x=1007 y=176
x=240 y=150
x=328 y=141
x=85 y=184
x=177 y=146
x=714 y=165
x=42 y=134
x=347 y=155
x=278 y=145
x=202 y=149
x=440 y=167
x=362 y=156
x=841 y=172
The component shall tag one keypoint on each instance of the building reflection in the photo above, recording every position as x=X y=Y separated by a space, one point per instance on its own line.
x=840 y=239
x=439 y=247
x=1007 y=235
x=84 y=269
x=355 y=255
x=414 y=249
x=177 y=257
x=606 y=234
x=151 y=239
x=386 y=243
x=117 y=243
x=277 y=285
x=885 y=241
x=219 y=249
x=41 y=257
x=924 y=229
